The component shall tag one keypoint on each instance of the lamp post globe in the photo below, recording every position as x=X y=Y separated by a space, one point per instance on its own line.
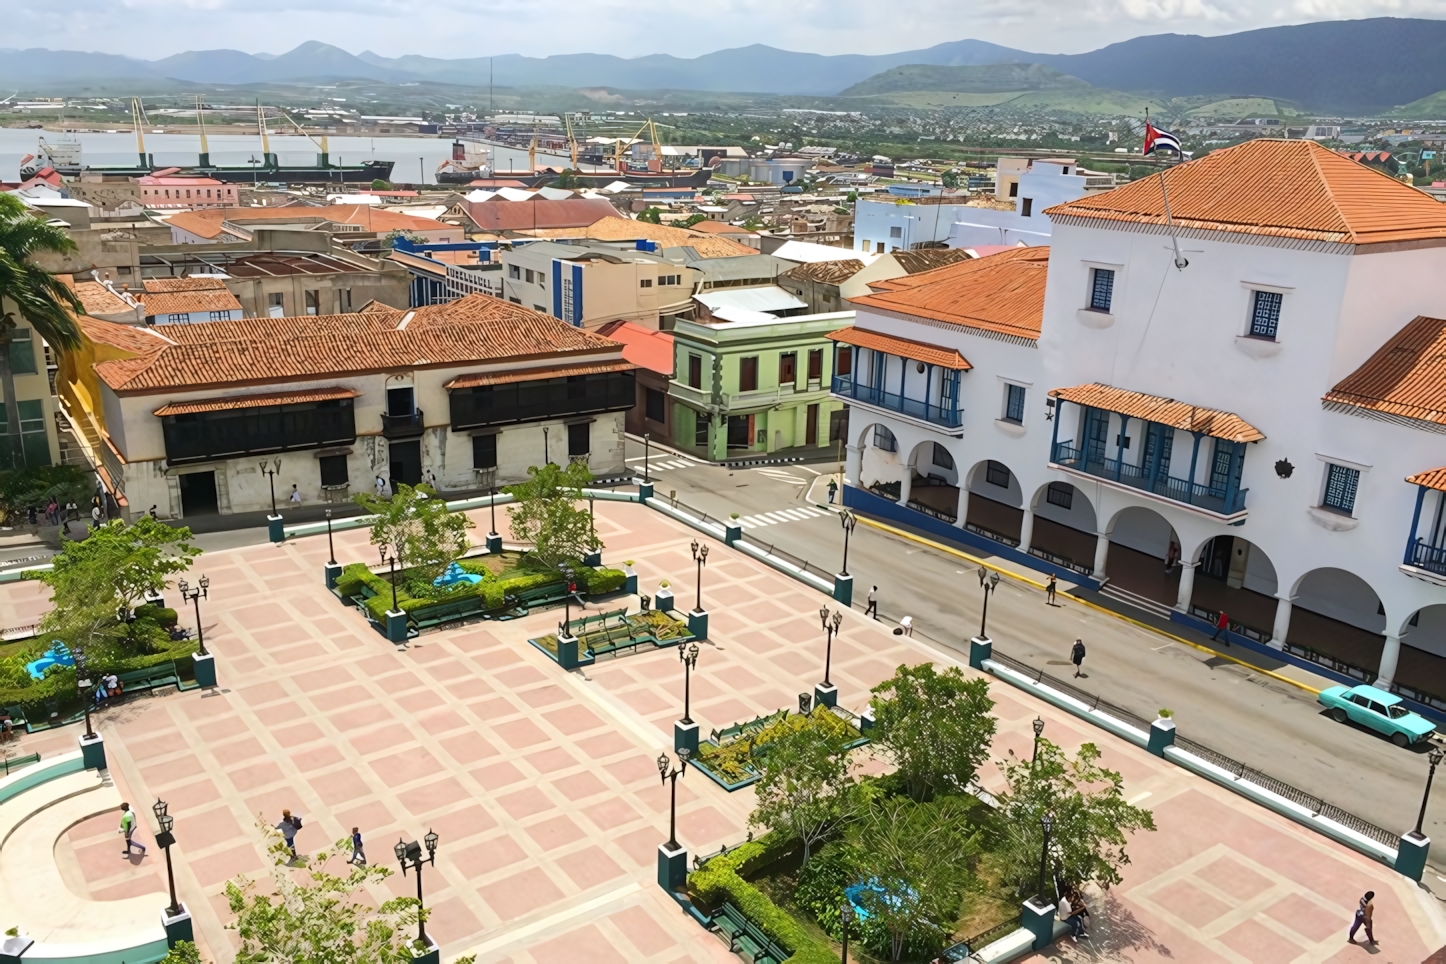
x=688 y=656
x=848 y=520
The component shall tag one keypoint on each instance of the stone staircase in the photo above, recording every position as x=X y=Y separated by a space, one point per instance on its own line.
x=1136 y=600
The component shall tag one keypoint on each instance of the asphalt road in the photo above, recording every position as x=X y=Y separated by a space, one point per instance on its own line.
x=1272 y=726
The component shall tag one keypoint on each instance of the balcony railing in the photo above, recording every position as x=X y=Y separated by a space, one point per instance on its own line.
x=1177 y=490
x=402 y=426
x=1432 y=558
x=845 y=387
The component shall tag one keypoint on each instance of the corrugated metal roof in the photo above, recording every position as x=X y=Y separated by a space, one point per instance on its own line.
x=903 y=347
x=262 y=400
x=1164 y=411
x=1431 y=479
x=768 y=298
x=1406 y=377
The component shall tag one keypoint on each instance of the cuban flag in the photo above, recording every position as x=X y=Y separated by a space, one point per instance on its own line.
x=1156 y=139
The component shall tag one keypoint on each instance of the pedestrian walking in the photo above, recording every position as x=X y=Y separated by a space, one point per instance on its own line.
x=128 y=827
x=1364 y=913
x=95 y=517
x=358 y=854
x=1076 y=656
x=872 y=609
x=52 y=512
x=288 y=826
x=832 y=491
x=1049 y=590
x=295 y=497
x=1221 y=625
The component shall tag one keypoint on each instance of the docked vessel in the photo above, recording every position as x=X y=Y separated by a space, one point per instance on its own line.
x=470 y=161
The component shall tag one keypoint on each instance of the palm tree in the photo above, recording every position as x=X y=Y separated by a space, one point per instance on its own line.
x=30 y=294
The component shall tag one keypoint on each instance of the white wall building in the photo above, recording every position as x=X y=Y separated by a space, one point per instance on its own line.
x=1272 y=413
x=590 y=285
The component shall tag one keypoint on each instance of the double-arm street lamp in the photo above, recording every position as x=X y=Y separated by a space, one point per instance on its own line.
x=988 y=581
x=689 y=658
x=409 y=855
x=848 y=520
x=390 y=558
x=1434 y=758
x=196 y=595
x=270 y=474
x=830 y=626
x=673 y=774
x=165 y=839
x=700 y=556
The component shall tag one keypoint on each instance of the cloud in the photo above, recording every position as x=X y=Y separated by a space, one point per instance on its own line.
x=151 y=29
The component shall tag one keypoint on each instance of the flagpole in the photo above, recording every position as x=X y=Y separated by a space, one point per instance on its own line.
x=1181 y=262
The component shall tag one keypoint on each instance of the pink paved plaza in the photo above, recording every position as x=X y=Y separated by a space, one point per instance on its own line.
x=542 y=785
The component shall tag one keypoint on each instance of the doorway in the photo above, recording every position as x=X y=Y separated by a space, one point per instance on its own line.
x=810 y=429
x=198 y=494
x=406 y=460
x=399 y=402
x=738 y=431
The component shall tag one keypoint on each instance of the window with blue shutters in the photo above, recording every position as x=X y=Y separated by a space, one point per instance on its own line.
x=1340 y=489
x=1102 y=289
x=1265 y=314
x=1014 y=403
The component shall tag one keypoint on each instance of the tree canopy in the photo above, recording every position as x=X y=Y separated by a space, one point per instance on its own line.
x=546 y=514
x=935 y=727
x=806 y=787
x=417 y=526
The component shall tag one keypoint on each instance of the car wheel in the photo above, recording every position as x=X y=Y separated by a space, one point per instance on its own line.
x=1400 y=739
x=1339 y=715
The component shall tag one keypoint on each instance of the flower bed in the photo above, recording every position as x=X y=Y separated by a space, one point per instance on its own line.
x=729 y=758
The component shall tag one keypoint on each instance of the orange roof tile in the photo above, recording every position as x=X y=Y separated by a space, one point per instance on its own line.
x=646 y=347
x=1165 y=411
x=97 y=299
x=529 y=374
x=825 y=272
x=158 y=285
x=1003 y=293
x=903 y=347
x=255 y=401
x=1406 y=377
x=615 y=228
x=1431 y=479
x=1288 y=189
x=183 y=302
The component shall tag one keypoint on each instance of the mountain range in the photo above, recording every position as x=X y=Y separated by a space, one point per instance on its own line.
x=1348 y=67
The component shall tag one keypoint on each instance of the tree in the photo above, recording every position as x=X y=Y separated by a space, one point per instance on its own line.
x=935 y=727
x=805 y=787
x=1089 y=817
x=546 y=514
x=950 y=179
x=184 y=952
x=915 y=860
x=418 y=526
x=567 y=179
x=379 y=185
x=32 y=295
x=320 y=916
x=651 y=216
x=693 y=219
x=117 y=564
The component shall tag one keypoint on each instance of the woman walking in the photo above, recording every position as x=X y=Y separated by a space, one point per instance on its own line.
x=1364 y=913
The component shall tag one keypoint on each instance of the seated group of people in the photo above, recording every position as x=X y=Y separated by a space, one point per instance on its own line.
x=110 y=688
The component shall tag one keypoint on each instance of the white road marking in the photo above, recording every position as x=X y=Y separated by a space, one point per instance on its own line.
x=1137 y=798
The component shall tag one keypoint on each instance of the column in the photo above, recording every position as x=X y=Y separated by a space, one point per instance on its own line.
x=1102 y=550
x=1026 y=530
x=1390 y=654
x=906 y=486
x=1282 y=622
x=963 y=503
x=1187 y=586
x=854 y=465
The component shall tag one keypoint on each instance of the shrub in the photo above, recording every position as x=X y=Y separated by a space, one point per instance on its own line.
x=595 y=582
x=719 y=880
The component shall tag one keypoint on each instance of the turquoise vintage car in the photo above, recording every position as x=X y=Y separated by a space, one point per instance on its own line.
x=1379 y=710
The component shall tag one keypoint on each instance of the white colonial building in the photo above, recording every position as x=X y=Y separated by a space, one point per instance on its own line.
x=1253 y=424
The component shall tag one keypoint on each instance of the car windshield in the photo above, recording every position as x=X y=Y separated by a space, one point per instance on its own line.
x=1397 y=711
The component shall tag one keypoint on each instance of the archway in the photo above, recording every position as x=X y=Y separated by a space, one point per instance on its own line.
x=1337 y=620
x=1065 y=526
x=1421 y=672
x=881 y=466
x=1139 y=557
x=1236 y=577
x=995 y=502
x=934 y=482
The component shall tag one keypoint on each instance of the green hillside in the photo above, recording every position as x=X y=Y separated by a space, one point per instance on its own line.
x=1089 y=100
x=1430 y=107
x=987 y=79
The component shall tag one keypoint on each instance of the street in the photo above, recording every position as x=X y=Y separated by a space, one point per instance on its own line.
x=1267 y=724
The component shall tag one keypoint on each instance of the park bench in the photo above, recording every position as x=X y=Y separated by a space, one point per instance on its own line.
x=745 y=937
x=620 y=637
x=470 y=604
x=600 y=620
x=150 y=678
x=540 y=595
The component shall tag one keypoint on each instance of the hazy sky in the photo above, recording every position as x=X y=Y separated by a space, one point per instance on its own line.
x=151 y=29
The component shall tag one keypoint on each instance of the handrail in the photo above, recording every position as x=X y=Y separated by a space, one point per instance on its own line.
x=845 y=387
x=1135 y=476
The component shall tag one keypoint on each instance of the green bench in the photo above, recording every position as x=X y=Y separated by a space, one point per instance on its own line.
x=600 y=620
x=620 y=637
x=426 y=617
x=151 y=678
x=744 y=937
x=541 y=595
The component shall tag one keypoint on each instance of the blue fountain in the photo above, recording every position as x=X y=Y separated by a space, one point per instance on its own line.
x=455 y=574
x=57 y=655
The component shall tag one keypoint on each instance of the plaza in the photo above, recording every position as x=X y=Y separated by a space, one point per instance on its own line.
x=542 y=787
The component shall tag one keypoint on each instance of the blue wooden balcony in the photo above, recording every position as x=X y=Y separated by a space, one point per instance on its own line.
x=846 y=388
x=1216 y=500
x=1430 y=558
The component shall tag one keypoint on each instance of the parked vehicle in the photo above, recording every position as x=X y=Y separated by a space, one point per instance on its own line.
x=1379 y=710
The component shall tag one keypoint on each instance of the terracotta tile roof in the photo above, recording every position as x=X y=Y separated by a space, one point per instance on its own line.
x=614 y=228
x=167 y=285
x=723 y=228
x=97 y=299
x=207 y=223
x=182 y=302
x=255 y=401
x=903 y=347
x=1431 y=479
x=197 y=223
x=136 y=339
x=642 y=346
x=1289 y=189
x=1165 y=411
x=825 y=272
x=500 y=215
x=260 y=351
x=927 y=259
x=530 y=374
x=1406 y=377
x=1003 y=293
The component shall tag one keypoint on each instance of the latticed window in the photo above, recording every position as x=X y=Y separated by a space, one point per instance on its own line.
x=1340 y=490
x=1102 y=288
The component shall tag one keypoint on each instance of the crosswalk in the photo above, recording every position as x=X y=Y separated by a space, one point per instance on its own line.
x=782 y=515
x=666 y=463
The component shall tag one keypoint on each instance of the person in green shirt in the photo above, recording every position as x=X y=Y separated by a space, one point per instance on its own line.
x=128 y=827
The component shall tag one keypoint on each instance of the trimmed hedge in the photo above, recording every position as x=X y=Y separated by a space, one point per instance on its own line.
x=357 y=576
x=719 y=880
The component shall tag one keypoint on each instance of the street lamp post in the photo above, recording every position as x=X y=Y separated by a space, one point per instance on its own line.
x=988 y=581
x=689 y=659
x=82 y=687
x=1045 y=821
x=391 y=559
x=700 y=556
x=647 y=444
x=270 y=474
x=1434 y=758
x=830 y=626
x=673 y=774
x=330 y=548
x=570 y=575
x=196 y=595
x=492 y=505
x=409 y=855
x=846 y=917
x=1038 y=732
x=165 y=839
x=848 y=520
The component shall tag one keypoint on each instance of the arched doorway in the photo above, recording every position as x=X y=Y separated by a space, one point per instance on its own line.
x=1236 y=577
x=1065 y=527
x=996 y=502
x=1337 y=620
x=1139 y=549
x=1421 y=672
x=934 y=481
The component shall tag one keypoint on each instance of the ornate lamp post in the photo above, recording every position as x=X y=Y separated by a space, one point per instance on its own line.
x=673 y=775
x=988 y=581
x=196 y=595
x=1046 y=822
x=830 y=626
x=689 y=659
x=569 y=574
x=409 y=855
x=1434 y=758
x=700 y=556
x=647 y=444
x=166 y=839
x=270 y=474
x=390 y=558
x=82 y=687
x=848 y=520
x=1038 y=732
x=846 y=917
x=330 y=549
x=493 y=506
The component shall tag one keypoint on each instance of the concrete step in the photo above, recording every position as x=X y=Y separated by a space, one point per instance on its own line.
x=1135 y=599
